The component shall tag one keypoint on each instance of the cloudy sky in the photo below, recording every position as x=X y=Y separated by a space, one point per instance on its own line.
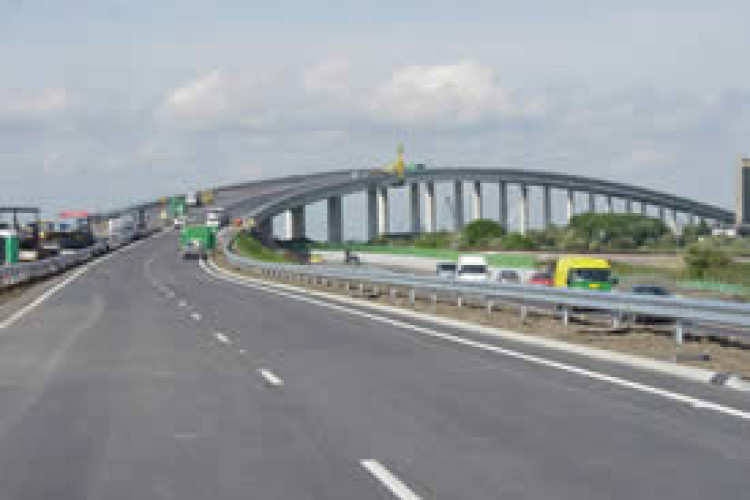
x=110 y=101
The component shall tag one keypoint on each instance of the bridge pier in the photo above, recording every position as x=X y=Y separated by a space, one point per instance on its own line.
x=476 y=200
x=524 y=208
x=628 y=206
x=503 y=202
x=416 y=221
x=592 y=202
x=372 y=213
x=547 y=206
x=429 y=208
x=265 y=231
x=458 y=205
x=608 y=204
x=383 y=212
x=295 y=223
x=644 y=208
x=335 y=221
x=571 y=195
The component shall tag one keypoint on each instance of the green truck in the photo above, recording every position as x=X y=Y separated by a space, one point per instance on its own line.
x=177 y=207
x=9 y=246
x=196 y=241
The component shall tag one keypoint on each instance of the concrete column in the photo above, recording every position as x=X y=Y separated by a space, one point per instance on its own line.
x=571 y=204
x=298 y=222
x=644 y=208
x=295 y=223
x=265 y=231
x=416 y=220
x=383 y=214
x=524 y=208
x=609 y=207
x=503 y=201
x=458 y=205
x=372 y=213
x=661 y=214
x=547 y=206
x=476 y=200
x=672 y=221
x=335 y=221
x=592 y=202
x=429 y=208
x=628 y=206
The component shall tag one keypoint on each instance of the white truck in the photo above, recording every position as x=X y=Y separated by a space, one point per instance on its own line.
x=192 y=199
x=121 y=231
x=472 y=268
x=217 y=217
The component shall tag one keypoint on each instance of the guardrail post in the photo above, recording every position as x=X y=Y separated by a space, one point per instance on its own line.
x=459 y=301
x=565 y=316
x=412 y=296
x=679 y=333
x=393 y=295
x=490 y=305
x=433 y=299
x=524 y=313
x=616 y=317
x=362 y=289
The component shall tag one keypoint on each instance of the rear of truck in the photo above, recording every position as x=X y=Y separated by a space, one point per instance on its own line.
x=197 y=241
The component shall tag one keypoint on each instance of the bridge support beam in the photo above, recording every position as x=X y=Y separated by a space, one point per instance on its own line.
x=547 y=206
x=265 y=231
x=458 y=205
x=335 y=221
x=429 y=208
x=503 y=202
x=644 y=208
x=672 y=221
x=524 y=208
x=608 y=200
x=628 y=206
x=592 y=202
x=416 y=220
x=372 y=213
x=295 y=223
x=383 y=213
x=476 y=200
x=571 y=204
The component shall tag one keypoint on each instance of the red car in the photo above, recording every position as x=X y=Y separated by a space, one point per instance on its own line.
x=543 y=278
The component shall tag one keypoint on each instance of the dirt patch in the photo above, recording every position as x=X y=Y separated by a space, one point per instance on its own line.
x=593 y=330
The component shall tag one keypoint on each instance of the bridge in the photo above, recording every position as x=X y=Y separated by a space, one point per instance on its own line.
x=420 y=186
x=141 y=375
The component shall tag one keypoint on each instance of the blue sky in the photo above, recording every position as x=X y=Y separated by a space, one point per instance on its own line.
x=116 y=100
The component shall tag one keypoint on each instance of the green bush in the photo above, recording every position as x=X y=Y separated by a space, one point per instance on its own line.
x=609 y=230
x=515 y=241
x=703 y=261
x=441 y=239
x=248 y=246
x=479 y=231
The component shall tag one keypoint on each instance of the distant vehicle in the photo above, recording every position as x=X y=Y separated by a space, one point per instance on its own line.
x=192 y=199
x=472 y=268
x=654 y=290
x=9 y=244
x=179 y=222
x=583 y=272
x=508 y=276
x=177 y=206
x=541 y=278
x=446 y=269
x=217 y=218
x=206 y=197
x=122 y=231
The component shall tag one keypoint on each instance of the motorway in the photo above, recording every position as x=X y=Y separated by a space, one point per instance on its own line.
x=145 y=377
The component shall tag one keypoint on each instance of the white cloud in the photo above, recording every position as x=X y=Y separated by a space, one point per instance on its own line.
x=32 y=103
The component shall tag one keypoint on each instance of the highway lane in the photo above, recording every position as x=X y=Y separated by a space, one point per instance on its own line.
x=460 y=423
x=147 y=378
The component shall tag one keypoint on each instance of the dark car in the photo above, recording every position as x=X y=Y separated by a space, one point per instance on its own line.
x=654 y=290
x=446 y=269
x=508 y=276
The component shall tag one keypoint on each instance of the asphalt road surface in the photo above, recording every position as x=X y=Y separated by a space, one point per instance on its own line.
x=147 y=378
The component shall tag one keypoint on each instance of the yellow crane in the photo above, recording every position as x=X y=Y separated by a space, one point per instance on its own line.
x=398 y=167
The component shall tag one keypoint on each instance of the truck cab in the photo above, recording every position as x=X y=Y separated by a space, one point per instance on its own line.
x=583 y=272
x=472 y=268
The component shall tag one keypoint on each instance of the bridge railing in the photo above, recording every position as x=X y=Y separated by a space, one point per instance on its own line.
x=563 y=301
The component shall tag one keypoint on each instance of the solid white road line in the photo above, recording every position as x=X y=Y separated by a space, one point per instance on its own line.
x=272 y=379
x=222 y=338
x=182 y=303
x=196 y=316
x=599 y=376
x=394 y=484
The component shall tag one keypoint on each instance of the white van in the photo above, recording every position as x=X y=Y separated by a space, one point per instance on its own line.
x=472 y=268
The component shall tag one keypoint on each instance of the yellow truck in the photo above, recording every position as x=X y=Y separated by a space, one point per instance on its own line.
x=588 y=273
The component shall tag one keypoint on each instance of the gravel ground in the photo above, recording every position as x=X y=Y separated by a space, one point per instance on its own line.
x=650 y=341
